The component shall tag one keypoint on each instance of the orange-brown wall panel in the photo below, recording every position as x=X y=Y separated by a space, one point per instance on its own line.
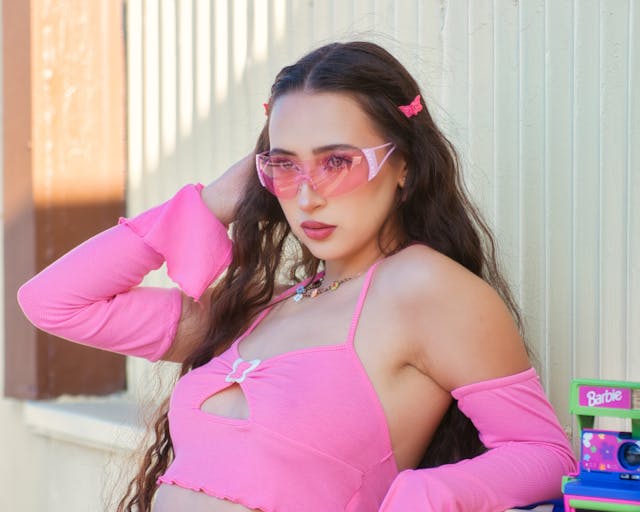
x=64 y=171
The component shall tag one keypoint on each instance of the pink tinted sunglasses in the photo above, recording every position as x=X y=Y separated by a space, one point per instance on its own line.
x=338 y=170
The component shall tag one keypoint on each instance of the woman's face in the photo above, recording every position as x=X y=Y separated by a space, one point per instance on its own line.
x=343 y=227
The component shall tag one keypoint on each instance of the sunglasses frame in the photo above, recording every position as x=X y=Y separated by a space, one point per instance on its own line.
x=369 y=154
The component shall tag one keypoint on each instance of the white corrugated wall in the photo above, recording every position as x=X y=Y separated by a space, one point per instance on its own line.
x=540 y=97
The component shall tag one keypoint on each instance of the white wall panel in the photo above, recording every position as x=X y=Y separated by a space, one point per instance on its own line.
x=427 y=57
x=586 y=187
x=558 y=224
x=613 y=194
x=480 y=102
x=539 y=96
x=506 y=139
x=531 y=125
x=633 y=203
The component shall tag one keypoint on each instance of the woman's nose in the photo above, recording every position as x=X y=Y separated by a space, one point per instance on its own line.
x=308 y=198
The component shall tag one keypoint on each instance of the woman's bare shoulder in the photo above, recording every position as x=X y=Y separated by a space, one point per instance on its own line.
x=460 y=328
x=421 y=274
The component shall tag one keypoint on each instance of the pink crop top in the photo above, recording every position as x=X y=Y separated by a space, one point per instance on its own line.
x=316 y=437
x=315 y=428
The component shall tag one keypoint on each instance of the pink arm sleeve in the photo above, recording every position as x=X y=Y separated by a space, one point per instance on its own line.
x=91 y=294
x=527 y=455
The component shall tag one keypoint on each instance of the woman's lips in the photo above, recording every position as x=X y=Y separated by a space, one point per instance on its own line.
x=317 y=230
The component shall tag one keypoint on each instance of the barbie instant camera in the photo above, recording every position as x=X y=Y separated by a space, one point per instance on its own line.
x=609 y=469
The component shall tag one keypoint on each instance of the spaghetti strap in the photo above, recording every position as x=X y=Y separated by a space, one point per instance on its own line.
x=249 y=329
x=361 y=298
x=266 y=310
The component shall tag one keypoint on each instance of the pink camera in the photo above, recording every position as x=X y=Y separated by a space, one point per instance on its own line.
x=609 y=471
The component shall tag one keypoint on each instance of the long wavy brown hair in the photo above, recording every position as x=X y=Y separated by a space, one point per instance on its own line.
x=434 y=210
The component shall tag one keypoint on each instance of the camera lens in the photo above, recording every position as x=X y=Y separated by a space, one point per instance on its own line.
x=630 y=455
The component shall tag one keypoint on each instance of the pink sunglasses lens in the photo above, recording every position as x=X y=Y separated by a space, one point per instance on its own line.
x=286 y=185
x=283 y=185
x=345 y=181
x=331 y=176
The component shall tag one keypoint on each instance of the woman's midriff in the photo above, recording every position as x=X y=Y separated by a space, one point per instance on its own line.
x=172 y=498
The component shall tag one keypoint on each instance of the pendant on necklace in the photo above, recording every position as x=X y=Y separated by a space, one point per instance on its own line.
x=299 y=294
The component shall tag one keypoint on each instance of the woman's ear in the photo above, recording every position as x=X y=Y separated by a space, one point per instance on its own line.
x=402 y=180
x=402 y=177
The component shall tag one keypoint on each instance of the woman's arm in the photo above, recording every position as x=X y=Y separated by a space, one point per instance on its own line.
x=527 y=454
x=91 y=294
x=470 y=346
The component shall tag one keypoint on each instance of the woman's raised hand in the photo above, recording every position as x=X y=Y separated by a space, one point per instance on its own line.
x=224 y=193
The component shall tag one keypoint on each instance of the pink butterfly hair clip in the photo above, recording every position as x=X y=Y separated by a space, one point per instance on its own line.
x=412 y=108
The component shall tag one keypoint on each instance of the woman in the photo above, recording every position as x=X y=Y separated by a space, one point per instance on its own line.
x=344 y=391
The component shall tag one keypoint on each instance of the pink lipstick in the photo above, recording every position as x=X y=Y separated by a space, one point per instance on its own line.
x=317 y=230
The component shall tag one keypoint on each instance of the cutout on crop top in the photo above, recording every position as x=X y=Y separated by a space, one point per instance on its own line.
x=229 y=402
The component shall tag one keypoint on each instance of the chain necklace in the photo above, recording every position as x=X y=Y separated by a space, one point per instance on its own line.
x=315 y=288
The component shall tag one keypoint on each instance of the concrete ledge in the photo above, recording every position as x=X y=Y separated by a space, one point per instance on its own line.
x=104 y=423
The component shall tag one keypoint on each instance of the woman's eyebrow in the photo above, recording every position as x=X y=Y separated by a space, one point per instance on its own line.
x=315 y=151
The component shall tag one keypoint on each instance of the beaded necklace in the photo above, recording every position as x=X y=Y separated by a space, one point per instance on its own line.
x=315 y=288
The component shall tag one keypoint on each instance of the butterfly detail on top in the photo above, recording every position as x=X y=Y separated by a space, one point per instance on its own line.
x=241 y=368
